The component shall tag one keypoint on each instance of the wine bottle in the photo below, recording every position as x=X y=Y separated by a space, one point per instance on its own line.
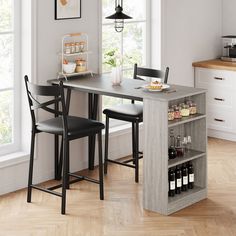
x=184 y=178
x=178 y=180
x=179 y=149
x=171 y=183
x=190 y=176
x=171 y=151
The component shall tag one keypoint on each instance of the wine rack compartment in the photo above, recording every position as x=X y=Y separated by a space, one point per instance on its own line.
x=186 y=198
x=199 y=170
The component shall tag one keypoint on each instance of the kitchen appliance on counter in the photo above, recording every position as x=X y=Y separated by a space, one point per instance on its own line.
x=229 y=48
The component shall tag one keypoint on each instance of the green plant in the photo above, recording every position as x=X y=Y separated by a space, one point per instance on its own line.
x=113 y=58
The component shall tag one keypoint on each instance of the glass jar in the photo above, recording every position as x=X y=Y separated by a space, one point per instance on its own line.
x=82 y=46
x=81 y=65
x=77 y=47
x=192 y=108
x=185 y=110
x=177 y=112
x=171 y=114
x=67 y=48
x=72 y=48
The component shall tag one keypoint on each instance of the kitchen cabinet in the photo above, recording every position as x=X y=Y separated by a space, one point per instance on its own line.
x=219 y=78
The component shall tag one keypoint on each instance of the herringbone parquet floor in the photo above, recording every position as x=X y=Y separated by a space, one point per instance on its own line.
x=121 y=212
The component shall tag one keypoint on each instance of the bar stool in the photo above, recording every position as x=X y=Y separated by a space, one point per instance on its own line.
x=68 y=127
x=131 y=113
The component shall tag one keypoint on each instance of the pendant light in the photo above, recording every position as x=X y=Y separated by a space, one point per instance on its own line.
x=119 y=16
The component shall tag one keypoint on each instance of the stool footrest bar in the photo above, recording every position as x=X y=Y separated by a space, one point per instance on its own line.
x=60 y=185
x=84 y=178
x=47 y=190
x=121 y=163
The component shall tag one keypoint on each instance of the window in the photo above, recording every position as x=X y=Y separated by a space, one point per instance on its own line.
x=9 y=75
x=132 y=43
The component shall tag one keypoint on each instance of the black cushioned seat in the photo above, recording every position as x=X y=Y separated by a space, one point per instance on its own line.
x=126 y=112
x=77 y=126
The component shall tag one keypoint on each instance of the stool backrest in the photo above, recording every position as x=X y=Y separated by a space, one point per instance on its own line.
x=55 y=105
x=140 y=71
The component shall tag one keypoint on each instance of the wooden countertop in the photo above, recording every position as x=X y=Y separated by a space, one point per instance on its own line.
x=216 y=64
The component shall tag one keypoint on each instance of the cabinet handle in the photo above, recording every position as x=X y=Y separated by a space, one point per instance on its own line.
x=219 y=99
x=218 y=78
x=219 y=120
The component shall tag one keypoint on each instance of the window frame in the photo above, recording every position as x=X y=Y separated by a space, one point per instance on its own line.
x=147 y=21
x=16 y=88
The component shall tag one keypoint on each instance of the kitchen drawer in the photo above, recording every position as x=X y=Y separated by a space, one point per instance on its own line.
x=210 y=78
x=221 y=119
x=221 y=98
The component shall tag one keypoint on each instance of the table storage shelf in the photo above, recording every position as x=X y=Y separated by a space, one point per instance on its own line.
x=157 y=165
x=189 y=156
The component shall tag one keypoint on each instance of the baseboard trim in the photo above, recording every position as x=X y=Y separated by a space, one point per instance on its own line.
x=222 y=135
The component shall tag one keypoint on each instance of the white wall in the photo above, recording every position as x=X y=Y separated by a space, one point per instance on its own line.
x=229 y=17
x=191 y=32
x=156 y=34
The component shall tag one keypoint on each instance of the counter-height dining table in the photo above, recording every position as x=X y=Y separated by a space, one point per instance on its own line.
x=156 y=163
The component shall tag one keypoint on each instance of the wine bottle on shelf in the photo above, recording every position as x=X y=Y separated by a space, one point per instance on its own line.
x=184 y=178
x=179 y=148
x=190 y=176
x=172 y=151
x=178 y=180
x=171 y=183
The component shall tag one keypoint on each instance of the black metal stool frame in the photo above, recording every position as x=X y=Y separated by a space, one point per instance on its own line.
x=34 y=104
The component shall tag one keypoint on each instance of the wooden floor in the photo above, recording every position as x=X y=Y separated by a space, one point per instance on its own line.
x=121 y=212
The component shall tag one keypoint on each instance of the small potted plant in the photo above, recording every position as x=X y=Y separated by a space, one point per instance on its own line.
x=114 y=59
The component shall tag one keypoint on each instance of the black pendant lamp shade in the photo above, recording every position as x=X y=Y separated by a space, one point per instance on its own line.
x=119 y=16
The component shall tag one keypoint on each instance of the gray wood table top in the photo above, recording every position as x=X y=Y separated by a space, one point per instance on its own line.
x=129 y=88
